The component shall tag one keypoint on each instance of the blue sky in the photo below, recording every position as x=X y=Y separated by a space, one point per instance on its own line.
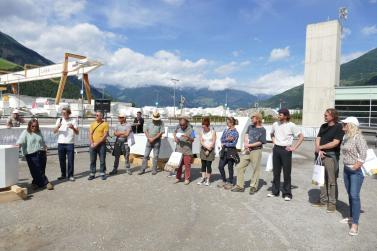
x=251 y=45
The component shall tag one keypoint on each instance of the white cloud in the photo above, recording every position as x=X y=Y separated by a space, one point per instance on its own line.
x=369 y=30
x=279 y=54
x=65 y=9
x=133 y=14
x=274 y=82
x=236 y=53
x=346 y=32
x=351 y=56
x=128 y=68
x=174 y=2
x=231 y=67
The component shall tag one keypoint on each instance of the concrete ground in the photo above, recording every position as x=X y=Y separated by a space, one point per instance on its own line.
x=151 y=213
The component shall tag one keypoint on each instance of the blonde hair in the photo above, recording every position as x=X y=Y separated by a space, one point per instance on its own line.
x=352 y=130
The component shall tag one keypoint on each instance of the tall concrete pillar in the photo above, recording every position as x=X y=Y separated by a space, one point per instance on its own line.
x=322 y=70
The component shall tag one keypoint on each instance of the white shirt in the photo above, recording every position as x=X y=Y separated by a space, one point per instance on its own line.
x=284 y=133
x=207 y=137
x=66 y=135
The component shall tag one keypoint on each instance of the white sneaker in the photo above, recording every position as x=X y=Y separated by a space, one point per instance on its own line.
x=286 y=198
x=207 y=182
x=346 y=220
x=271 y=195
x=201 y=182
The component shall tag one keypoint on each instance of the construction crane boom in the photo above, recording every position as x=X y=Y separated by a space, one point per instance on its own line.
x=81 y=66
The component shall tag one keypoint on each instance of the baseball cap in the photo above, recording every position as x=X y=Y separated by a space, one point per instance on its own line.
x=352 y=120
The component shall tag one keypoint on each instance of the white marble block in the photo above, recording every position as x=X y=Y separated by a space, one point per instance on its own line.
x=8 y=165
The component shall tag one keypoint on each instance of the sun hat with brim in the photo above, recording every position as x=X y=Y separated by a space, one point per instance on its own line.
x=156 y=116
x=257 y=115
x=121 y=115
x=16 y=111
x=351 y=120
x=184 y=117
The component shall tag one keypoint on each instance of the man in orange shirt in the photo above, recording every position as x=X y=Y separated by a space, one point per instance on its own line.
x=98 y=133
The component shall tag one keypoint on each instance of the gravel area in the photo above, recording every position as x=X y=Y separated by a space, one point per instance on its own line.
x=151 y=213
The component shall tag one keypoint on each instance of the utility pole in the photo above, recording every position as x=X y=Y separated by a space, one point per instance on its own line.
x=174 y=80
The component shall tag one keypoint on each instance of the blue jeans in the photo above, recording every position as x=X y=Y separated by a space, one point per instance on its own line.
x=353 y=179
x=66 y=150
x=100 y=150
x=37 y=166
x=155 y=146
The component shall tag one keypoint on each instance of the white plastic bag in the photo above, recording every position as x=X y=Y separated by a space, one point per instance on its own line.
x=131 y=139
x=269 y=165
x=318 y=177
x=173 y=162
x=370 y=165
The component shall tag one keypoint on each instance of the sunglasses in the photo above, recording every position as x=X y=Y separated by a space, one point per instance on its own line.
x=34 y=126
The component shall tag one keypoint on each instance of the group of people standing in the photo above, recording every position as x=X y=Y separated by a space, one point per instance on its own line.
x=333 y=136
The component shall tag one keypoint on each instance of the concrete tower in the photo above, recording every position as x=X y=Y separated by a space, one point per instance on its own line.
x=322 y=70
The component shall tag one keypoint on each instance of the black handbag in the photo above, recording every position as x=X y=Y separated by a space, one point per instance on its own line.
x=117 y=148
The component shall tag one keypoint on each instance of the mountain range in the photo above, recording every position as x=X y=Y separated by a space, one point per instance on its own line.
x=149 y=95
x=358 y=72
x=13 y=55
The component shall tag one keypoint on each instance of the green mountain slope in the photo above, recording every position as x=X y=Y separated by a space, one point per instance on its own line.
x=5 y=65
x=358 y=72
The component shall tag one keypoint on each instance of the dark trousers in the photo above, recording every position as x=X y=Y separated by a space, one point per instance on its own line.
x=230 y=162
x=206 y=166
x=66 y=151
x=125 y=151
x=100 y=150
x=37 y=166
x=281 y=159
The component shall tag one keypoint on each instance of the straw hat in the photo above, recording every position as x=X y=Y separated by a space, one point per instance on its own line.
x=121 y=115
x=156 y=116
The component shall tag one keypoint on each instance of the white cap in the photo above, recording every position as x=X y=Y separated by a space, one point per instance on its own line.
x=15 y=111
x=352 y=120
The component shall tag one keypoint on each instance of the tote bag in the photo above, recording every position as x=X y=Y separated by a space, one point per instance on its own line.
x=269 y=165
x=173 y=162
x=318 y=177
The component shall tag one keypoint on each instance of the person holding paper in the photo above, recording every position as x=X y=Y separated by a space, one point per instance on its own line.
x=153 y=131
x=66 y=128
x=121 y=147
x=354 y=150
x=327 y=147
x=184 y=136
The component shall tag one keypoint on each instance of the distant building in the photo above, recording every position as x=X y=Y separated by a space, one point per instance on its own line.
x=358 y=101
